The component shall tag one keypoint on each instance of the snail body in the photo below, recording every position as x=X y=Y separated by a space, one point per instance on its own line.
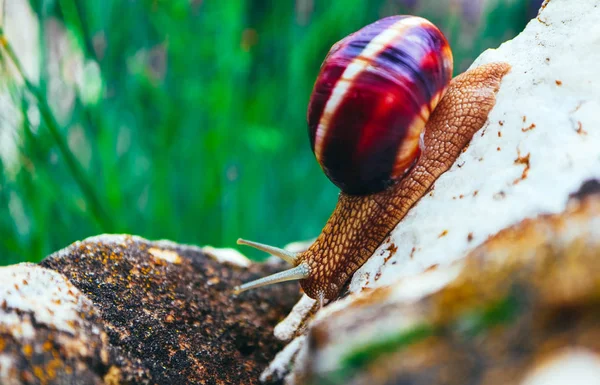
x=385 y=121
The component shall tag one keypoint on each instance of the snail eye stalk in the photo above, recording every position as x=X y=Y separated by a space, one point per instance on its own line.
x=287 y=256
x=301 y=271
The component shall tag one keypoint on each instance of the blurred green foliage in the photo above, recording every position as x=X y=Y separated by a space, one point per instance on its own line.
x=189 y=123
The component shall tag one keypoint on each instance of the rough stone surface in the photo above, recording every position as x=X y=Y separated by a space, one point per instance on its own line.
x=50 y=333
x=522 y=309
x=123 y=310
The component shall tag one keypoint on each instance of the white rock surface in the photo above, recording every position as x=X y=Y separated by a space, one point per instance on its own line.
x=280 y=365
x=572 y=366
x=35 y=299
x=407 y=290
x=48 y=295
x=286 y=329
x=540 y=144
x=227 y=255
x=547 y=109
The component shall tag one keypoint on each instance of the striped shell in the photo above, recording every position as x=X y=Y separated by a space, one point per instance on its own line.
x=372 y=98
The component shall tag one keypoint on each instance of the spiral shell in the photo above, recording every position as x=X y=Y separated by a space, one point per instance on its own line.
x=372 y=98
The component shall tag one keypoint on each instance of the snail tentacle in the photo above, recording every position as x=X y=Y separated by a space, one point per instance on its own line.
x=302 y=271
x=288 y=256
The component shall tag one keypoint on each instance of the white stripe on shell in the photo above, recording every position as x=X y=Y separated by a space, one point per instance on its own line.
x=359 y=64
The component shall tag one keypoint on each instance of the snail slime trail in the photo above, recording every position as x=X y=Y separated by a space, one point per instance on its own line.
x=381 y=91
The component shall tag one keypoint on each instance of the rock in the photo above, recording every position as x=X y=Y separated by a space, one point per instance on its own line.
x=521 y=308
x=49 y=331
x=538 y=148
x=123 y=310
x=539 y=145
x=491 y=278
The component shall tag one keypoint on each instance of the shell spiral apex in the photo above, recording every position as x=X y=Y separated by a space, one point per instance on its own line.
x=372 y=98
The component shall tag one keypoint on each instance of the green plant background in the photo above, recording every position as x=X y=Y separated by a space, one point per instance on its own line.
x=194 y=127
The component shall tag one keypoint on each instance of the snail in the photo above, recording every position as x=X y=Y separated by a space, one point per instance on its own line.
x=385 y=120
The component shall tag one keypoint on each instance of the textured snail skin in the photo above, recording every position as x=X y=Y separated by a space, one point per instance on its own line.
x=359 y=224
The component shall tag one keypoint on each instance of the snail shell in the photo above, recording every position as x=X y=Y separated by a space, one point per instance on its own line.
x=379 y=133
x=372 y=98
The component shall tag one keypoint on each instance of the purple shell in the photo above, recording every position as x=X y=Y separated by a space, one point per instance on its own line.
x=372 y=98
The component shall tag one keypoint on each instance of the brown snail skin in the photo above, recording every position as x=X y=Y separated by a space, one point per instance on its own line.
x=381 y=70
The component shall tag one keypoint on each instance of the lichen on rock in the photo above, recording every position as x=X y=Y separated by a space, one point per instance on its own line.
x=170 y=308
x=118 y=309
